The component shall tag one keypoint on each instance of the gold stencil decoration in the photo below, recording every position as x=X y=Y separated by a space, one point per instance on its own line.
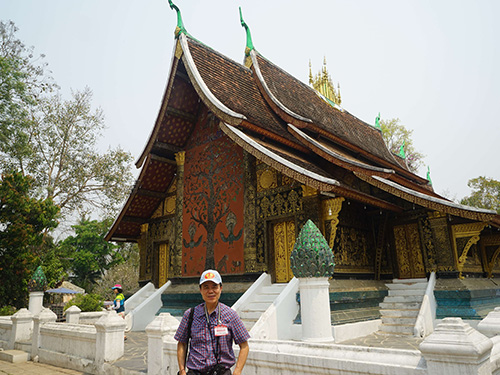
x=490 y=246
x=180 y=157
x=267 y=179
x=308 y=191
x=162 y=264
x=331 y=208
x=284 y=239
x=460 y=231
x=170 y=205
x=409 y=254
x=158 y=212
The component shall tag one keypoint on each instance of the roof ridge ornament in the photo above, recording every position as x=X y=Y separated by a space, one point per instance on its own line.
x=402 y=154
x=429 y=175
x=179 y=29
x=249 y=47
x=377 y=122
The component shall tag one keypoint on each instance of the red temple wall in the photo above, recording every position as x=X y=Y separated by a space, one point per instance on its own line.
x=212 y=222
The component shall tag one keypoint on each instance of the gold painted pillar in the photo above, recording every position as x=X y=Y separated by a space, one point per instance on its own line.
x=443 y=251
x=162 y=264
x=249 y=224
x=143 y=248
x=177 y=254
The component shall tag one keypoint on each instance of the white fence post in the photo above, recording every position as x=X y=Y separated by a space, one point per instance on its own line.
x=163 y=327
x=110 y=336
x=35 y=304
x=455 y=348
x=73 y=315
x=45 y=316
x=22 y=325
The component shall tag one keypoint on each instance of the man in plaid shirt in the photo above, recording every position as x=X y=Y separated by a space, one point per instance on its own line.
x=213 y=329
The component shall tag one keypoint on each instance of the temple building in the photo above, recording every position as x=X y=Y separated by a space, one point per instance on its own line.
x=243 y=154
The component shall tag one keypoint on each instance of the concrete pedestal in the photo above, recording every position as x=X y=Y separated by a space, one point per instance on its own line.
x=315 y=309
x=455 y=348
x=35 y=302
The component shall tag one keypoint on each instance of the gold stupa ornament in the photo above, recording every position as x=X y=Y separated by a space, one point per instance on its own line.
x=322 y=83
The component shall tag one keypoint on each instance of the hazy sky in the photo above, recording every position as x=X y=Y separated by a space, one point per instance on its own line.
x=432 y=63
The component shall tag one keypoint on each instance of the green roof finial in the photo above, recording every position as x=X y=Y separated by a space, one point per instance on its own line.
x=429 y=175
x=377 y=122
x=179 y=29
x=402 y=151
x=249 y=46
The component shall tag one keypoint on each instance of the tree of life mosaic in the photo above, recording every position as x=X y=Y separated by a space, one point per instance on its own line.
x=213 y=202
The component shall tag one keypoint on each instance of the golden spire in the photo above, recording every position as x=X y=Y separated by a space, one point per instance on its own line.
x=322 y=83
x=310 y=73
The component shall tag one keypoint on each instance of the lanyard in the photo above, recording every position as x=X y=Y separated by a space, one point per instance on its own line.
x=216 y=346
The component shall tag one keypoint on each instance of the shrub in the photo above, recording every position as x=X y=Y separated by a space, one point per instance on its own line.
x=7 y=310
x=86 y=302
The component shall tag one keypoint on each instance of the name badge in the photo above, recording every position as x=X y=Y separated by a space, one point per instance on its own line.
x=221 y=330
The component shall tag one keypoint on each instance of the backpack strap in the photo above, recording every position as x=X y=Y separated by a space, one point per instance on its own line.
x=190 y=322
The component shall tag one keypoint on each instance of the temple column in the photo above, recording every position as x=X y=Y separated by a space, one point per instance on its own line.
x=249 y=244
x=179 y=208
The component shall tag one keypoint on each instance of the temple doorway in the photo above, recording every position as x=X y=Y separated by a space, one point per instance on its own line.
x=282 y=236
x=408 y=251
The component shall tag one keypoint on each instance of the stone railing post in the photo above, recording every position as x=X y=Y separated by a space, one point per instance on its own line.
x=45 y=316
x=490 y=327
x=455 y=348
x=35 y=304
x=161 y=329
x=73 y=314
x=22 y=325
x=110 y=336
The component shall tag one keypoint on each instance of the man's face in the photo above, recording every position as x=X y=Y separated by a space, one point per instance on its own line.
x=210 y=291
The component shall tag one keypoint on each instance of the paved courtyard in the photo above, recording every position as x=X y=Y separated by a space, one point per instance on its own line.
x=134 y=360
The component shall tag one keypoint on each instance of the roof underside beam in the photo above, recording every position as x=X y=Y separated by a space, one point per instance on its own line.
x=162 y=159
x=151 y=193
x=171 y=111
x=134 y=219
x=165 y=148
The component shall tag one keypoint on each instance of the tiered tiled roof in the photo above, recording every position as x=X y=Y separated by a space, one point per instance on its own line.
x=279 y=120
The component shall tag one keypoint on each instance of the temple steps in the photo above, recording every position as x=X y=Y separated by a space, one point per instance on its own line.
x=401 y=306
x=260 y=303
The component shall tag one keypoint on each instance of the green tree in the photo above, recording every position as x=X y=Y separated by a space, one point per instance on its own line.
x=65 y=160
x=485 y=193
x=23 y=80
x=395 y=135
x=88 y=255
x=126 y=274
x=24 y=222
x=53 y=139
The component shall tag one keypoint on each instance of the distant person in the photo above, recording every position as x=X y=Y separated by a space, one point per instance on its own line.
x=214 y=327
x=119 y=302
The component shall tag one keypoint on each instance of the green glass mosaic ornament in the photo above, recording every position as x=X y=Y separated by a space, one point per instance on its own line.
x=311 y=256
x=38 y=282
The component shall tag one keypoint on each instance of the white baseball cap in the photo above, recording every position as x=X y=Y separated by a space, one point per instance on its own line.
x=210 y=275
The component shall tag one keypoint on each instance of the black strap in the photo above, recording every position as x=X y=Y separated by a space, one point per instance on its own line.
x=190 y=322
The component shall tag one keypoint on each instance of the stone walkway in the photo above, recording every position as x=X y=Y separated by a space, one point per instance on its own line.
x=384 y=340
x=135 y=357
x=31 y=368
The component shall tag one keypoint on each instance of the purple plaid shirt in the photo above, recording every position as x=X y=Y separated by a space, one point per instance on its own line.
x=202 y=346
